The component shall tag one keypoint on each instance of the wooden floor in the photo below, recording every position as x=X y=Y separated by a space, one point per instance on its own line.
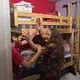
x=33 y=77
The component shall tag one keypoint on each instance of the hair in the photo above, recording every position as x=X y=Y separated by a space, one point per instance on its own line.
x=38 y=39
x=56 y=38
x=15 y=32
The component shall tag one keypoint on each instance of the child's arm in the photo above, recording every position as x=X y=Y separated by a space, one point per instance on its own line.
x=28 y=37
x=34 y=58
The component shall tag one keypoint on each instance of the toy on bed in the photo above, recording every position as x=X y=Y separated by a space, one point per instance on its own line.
x=51 y=12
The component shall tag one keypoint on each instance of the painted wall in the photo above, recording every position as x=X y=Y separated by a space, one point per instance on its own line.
x=59 y=5
x=40 y=6
x=75 y=9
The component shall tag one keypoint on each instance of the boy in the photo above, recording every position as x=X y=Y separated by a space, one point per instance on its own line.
x=17 y=59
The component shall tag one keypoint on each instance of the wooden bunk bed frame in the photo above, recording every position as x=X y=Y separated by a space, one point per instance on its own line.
x=77 y=22
x=77 y=41
x=66 y=22
x=63 y=24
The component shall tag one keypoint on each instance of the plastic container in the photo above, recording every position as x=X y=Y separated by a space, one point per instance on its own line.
x=23 y=6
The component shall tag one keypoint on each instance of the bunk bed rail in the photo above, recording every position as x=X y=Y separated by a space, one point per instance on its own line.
x=60 y=22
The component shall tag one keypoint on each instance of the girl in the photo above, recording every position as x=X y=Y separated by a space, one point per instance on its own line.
x=53 y=55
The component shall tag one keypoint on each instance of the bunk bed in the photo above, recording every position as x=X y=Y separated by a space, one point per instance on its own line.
x=26 y=20
x=63 y=24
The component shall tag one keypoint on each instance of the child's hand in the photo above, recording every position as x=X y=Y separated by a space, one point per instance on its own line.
x=27 y=35
x=20 y=37
x=25 y=32
x=39 y=23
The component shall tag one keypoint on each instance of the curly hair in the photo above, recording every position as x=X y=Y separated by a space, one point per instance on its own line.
x=56 y=38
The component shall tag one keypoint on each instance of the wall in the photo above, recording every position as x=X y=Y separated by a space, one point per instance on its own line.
x=77 y=11
x=5 y=51
x=59 y=5
x=74 y=11
x=40 y=6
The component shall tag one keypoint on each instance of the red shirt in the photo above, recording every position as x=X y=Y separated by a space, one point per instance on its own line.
x=23 y=47
x=17 y=60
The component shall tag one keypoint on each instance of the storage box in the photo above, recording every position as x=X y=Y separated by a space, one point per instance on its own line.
x=23 y=6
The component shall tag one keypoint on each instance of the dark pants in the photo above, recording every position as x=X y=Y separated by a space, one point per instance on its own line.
x=28 y=72
x=43 y=77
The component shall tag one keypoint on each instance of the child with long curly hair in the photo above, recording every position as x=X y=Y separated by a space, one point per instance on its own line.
x=53 y=54
x=53 y=59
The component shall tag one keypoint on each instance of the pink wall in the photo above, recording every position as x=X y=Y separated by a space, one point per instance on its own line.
x=40 y=6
